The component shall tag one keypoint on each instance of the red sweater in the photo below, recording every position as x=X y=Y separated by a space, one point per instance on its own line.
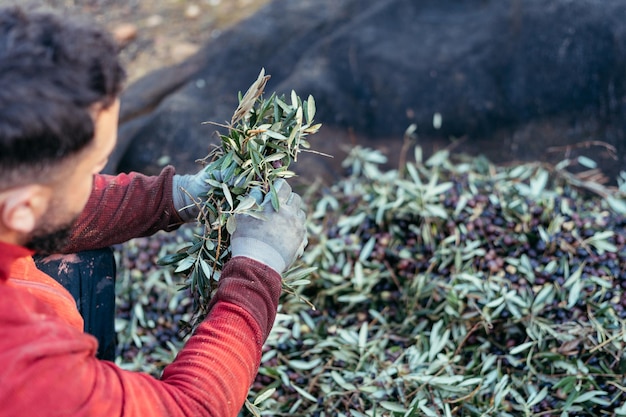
x=48 y=365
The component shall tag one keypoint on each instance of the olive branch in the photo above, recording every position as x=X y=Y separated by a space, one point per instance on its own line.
x=264 y=137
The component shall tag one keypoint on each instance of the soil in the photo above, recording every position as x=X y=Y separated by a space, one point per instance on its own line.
x=155 y=33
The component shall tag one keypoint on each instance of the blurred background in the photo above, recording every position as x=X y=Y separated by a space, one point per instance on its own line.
x=155 y=33
x=512 y=80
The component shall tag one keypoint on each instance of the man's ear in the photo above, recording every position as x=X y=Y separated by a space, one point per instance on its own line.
x=21 y=207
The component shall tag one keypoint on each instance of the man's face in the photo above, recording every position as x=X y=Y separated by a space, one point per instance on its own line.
x=70 y=192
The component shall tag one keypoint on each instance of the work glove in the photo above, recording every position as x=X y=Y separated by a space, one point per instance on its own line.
x=278 y=239
x=188 y=188
x=185 y=192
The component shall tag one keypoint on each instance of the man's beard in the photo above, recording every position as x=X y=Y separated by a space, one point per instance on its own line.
x=46 y=242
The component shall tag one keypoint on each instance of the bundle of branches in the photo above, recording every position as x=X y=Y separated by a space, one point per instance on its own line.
x=263 y=138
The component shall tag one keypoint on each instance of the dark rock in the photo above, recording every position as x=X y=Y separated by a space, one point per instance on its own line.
x=508 y=77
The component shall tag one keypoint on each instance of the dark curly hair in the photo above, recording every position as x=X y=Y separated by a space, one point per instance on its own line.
x=54 y=72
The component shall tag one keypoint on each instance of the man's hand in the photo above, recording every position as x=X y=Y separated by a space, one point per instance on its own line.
x=186 y=189
x=279 y=239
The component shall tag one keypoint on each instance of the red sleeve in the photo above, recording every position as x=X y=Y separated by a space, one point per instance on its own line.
x=47 y=367
x=124 y=207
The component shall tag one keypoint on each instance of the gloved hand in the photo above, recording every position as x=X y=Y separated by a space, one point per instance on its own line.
x=278 y=240
x=185 y=191
x=187 y=188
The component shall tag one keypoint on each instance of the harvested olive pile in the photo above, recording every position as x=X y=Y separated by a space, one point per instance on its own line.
x=452 y=287
x=150 y=304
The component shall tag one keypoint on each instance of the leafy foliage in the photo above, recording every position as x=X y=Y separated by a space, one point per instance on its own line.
x=448 y=287
x=264 y=137
x=454 y=287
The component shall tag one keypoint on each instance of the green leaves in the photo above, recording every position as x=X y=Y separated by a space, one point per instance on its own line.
x=264 y=138
x=449 y=286
x=453 y=287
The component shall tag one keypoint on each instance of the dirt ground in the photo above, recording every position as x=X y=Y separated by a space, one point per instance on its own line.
x=155 y=33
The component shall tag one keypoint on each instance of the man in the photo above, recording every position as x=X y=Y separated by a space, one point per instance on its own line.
x=59 y=86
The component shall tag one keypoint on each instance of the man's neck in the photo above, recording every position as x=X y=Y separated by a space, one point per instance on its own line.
x=11 y=237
